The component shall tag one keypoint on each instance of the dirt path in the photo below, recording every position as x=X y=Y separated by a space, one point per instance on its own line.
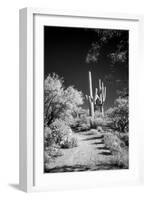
x=91 y=154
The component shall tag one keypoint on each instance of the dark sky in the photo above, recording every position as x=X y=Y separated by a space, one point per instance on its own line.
x=65 y=51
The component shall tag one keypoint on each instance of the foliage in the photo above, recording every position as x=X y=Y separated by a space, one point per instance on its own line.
x=50 y=153
x=97 y=122
x=68 y=118
x=118 y=148
x=125 y=138
x=60 y=130
x=86 y=122
x=61 y=107
x=58 y=135
x=69 y=142
x=119 y=115
x=113 y=142
x=82 y=124
x=113 y=44
x=124 y=93
x=49 y=138
x=120 y=159
x=98 y=114
x=59 y=101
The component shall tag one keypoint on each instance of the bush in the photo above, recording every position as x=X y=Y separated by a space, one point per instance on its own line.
x=113 y=142
x=69 y=142
x=60 y=130
x=82 y=124
x=50 y=153
x=98 y=114
x=83 y=127
x=119 y=150
x=86 y=123
x=97 y=122
x=120 y=159
x=59 y=100
x=59 y=135
x=119 y=115
x=49 y=138
x=125 y=138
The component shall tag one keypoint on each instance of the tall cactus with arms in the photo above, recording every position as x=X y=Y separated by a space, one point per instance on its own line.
x=101 y=97
x=98 y=98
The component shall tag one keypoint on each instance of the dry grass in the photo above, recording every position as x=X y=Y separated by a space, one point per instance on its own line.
x=119 y=150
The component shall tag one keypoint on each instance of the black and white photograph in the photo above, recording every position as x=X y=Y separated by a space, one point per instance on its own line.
x=86 y=99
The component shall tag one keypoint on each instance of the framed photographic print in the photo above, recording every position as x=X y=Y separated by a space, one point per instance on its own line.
x=79 y=87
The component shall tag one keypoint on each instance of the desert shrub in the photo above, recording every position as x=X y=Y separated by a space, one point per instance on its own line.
x=120 y=159
x=83 y=113
x=69 y=142
x=82 y=124
x=119 y=115
x=97 y=122
x=118 y=149
x=59 y=100
x=125 y=138
x=46 y=157
x=98 y=114
x=51 y=148
x=49 y=138
x=50 y=153
x=86 y=123
x=113 y=142
x=60 y=130
x=83 y=127
x=59 y=134
x=56 y=132
x=68 y=118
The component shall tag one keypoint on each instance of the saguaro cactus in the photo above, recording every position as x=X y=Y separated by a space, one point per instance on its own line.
x=91 y=102
x=100 y=100
x=99 y=96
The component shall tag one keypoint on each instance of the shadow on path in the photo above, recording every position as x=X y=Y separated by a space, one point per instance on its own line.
x=96 y=143
x=93 y=138
x=102 y=148
x=88 y=134
x=105 y=153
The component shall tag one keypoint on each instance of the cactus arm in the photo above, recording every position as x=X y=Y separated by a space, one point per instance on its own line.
x=100 y=85
x=90 y=98
x=96 y=95
x=104 y=93
x=90 y=84
x=99 y=96
x=86 y=96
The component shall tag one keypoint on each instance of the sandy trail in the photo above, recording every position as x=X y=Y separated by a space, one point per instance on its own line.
x=90 y=154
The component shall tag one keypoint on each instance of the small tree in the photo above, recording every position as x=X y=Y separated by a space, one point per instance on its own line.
x=58 y=100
